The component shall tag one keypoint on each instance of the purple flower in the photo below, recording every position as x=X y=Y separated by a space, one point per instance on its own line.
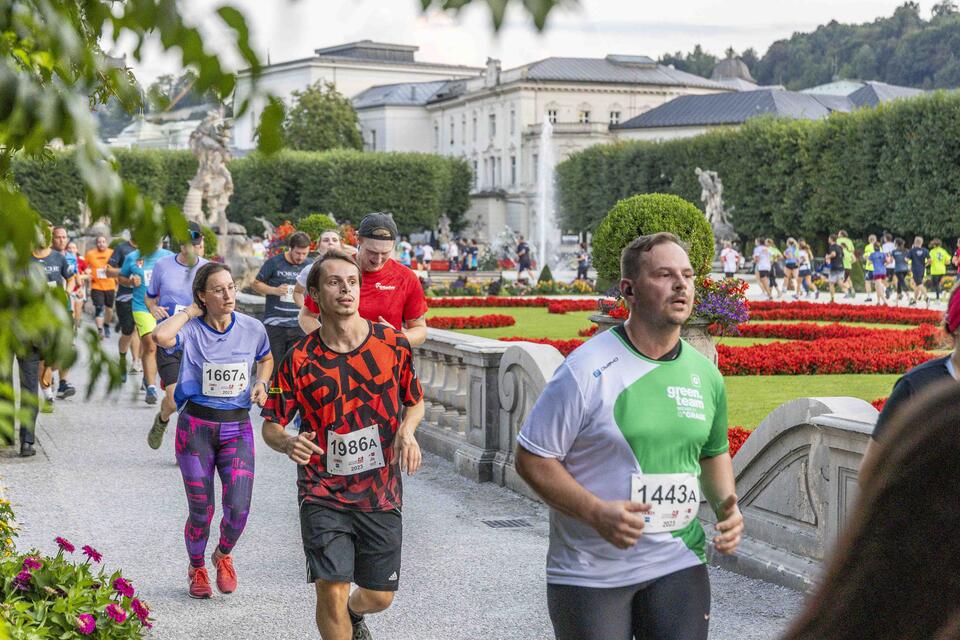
x=123 y=587
x=117 y=614
x=86 y=624
x=31 y=564
x=142 y=612
x=21 y=581
x=64 y=544
x=92 y=553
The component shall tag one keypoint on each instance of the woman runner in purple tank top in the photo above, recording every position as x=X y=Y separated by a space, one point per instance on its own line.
x=225 y=368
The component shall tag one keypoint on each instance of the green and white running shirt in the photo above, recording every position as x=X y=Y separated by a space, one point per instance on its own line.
x=610 y=412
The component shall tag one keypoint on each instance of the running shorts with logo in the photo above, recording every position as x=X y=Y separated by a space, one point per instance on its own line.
x=619 y=423
x=352 y=403
x=214 y=432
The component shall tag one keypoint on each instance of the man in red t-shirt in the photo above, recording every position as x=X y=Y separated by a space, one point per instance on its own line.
x=391 y=293
x=348 y=382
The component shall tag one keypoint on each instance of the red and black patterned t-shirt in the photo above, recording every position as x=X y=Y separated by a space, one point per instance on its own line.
x=347 y=392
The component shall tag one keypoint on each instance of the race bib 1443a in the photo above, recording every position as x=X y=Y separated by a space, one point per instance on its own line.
x=674 y=498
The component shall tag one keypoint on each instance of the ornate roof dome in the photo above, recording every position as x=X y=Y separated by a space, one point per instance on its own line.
x=730 y=69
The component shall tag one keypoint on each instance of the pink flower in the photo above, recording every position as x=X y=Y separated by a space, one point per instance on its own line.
x=142 y=612
x=31 y=564
x=21 y=581
x=123 y=587
x=92 y=553
x=117 y=614
x=86 y=624
x=64 y=544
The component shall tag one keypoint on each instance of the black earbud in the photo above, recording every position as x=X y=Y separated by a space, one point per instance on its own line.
x=628 y=290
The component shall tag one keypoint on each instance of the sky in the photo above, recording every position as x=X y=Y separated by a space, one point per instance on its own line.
x=290 y=29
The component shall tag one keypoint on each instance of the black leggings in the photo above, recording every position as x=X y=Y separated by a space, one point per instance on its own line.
x=901 y=282
x=675 y=606
x=936 y=284
x=29 y=394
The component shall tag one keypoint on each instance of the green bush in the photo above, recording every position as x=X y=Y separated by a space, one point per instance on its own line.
x=418 y=188
x=891 y=168
x=545 y=275
x=646 y=214
x=315 y=224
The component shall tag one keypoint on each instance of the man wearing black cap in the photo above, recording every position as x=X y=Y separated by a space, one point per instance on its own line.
x=169 y=290
x=390 y=293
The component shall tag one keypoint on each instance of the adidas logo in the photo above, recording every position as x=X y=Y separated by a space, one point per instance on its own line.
x=393 y=577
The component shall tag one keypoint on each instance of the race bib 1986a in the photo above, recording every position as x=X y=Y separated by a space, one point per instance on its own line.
x=354 y=452
x=674 y=497
x=225 y=380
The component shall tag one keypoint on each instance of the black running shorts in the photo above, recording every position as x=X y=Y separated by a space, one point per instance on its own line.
x=352 y=546
x=168 y=366
x=102 y=298
x=125 y=316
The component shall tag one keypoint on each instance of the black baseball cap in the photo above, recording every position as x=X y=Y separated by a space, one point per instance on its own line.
x=378 y=226
x=196 y=233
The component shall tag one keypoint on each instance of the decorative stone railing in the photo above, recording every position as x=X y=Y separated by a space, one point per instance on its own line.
x=797 y=482
x=477 y=393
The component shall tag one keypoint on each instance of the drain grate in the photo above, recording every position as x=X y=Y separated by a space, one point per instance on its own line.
x=506 y=524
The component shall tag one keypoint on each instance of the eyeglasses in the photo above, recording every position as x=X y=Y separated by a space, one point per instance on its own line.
x=222 y=291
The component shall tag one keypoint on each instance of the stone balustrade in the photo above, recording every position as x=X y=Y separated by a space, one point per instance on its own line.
x=477 y=393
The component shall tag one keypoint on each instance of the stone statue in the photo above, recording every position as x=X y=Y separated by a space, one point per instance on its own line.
x=213 y=182
x=711 y=195
x=268 y=228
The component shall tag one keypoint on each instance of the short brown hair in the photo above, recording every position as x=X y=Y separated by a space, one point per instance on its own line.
x=313 y=278
x=200 y=280
x=631 y=254
x=298 y=240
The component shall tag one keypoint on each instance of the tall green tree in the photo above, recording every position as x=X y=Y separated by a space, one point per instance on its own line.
x=320 y=119
x=170 y=92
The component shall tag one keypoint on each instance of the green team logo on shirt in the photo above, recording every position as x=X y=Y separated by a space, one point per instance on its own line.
x=689 y=402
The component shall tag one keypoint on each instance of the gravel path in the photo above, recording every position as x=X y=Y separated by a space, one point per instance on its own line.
x=96 y=482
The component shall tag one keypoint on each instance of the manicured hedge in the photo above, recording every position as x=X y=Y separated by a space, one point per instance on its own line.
x=417 y=188
x=895 y=167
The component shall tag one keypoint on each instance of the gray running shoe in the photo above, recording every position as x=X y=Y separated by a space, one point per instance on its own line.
x=155 y=437
x=360 y=631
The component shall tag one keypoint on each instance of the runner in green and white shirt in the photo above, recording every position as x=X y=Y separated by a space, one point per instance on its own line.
x=619 y=444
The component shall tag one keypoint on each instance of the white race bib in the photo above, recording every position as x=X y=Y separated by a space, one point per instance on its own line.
x=354 y=452
x=147 y=275
x=225 y=380
x=675 y=498
x=101 y=274
x=288 y=298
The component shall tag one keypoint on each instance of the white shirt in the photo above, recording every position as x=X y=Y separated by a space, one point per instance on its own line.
x=427 y=252
x=761 y=258
x=453 y=250
x=730 y=259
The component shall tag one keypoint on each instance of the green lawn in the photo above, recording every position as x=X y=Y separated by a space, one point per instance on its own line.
x=532 y=322
x=751 y=398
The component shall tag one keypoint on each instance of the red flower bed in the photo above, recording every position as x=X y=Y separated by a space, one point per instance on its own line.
x=490 y=301
x=868 y=354
x=489 y=321
x=588 y=333
x=842 y=313
x=737 y=436
x=879 y=403
x=563 y=306
x=565 y=347
x=803 y=331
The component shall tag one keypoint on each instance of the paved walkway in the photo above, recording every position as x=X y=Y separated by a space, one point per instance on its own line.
x=96 y=482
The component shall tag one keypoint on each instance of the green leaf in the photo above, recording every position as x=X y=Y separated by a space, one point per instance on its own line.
x=269 y=131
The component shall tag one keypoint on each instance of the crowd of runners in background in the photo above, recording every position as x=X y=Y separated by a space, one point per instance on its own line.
x=893 y=271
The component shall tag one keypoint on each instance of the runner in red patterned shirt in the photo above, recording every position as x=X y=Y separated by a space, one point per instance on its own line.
x=391 y=293
x=348 y=381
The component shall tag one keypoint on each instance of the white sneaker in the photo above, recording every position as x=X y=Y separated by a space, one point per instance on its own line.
x=136 y=367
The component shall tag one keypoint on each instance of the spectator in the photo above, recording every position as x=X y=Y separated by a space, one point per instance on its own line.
x=453 y=254
x=583 y=261
x=427 y=257
x=805 y=269
x=886 y=581
x=474 y=252
x=776 y=265
x=730 y=259
x=406 y=252
x=762 y=266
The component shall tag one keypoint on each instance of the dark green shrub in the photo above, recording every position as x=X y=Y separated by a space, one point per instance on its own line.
x=646 y=214
x=315 y=224
x=545 y=274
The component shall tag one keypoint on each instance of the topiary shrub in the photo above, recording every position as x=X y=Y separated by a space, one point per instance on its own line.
x=645 y=214
x=545 y=274
x=315 y=224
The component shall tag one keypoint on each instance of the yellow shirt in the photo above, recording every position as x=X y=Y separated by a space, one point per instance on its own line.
x=939 y=258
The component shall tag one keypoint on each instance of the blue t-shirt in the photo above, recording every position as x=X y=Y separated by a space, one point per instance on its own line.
x=900 y=261
x=918 y=259
x=135 y=265
x=879 y=260
x=242 y=345
x=172 y=283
